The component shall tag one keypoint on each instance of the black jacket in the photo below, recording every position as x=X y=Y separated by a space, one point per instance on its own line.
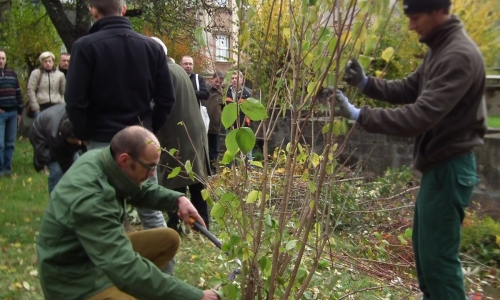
x=202 y=92
x=115 y=74
x=48 y=145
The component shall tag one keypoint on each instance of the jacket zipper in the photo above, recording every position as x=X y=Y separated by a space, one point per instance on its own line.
x=48 y=76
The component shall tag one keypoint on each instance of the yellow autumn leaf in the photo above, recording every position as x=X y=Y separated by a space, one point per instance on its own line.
x=498 y=240
x=26 y=219
x=387 y=54
x=17 y=245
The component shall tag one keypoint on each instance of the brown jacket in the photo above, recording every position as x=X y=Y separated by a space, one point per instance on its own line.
x=444 y=108
x=214 y=108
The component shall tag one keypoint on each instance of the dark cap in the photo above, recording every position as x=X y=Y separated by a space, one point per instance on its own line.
x=421 y=6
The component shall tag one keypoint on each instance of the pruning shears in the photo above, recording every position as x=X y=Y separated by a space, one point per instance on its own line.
x=231 y=277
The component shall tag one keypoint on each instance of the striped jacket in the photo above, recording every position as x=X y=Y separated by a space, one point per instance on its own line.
x=10 y=92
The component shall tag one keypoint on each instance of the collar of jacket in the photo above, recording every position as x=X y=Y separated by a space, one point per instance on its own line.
x=110 y=23
x=438 y=37
x=122 y=184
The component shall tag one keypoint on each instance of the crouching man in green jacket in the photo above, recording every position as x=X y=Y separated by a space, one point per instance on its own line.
x=83 y=251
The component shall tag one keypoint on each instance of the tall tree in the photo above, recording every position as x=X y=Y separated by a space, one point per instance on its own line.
x=26 y=32
x=69 y=30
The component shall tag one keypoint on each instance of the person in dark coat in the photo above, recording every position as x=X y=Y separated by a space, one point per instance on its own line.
x=53 y=142
x=115 y=75
x=199 y=84
x=184 y=131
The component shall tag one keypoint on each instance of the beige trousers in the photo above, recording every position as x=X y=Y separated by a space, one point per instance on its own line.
x=158 y=245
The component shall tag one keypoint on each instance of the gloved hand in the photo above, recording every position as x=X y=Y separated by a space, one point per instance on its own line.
x=345 y=109
x=355 y=75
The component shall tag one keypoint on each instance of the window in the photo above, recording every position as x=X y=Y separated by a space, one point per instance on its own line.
x=221 y=3
x=221 y=47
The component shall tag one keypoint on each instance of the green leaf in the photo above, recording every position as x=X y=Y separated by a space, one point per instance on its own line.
x=378 y=235
x=253 y=196
x=230 y=141
x=217 y=211
x=387 y=54
x=256 y=163
x=173 y=151
x=235 y=240
x=245 y=139
x=365 y=61
x=312 y=187
x=229 y=115
x=402 y=240
x=326 y=128
x=305 y=45
x=254 y=110
x=315 y=159
x=337 y=126
x=200 y=36
x=370 y=45
x=408 y=233
x=227 y=158
x=265 y=264
x=205 y=194
x=311 y=87
x=290 y=245
x=174 y=172
x=189 y=169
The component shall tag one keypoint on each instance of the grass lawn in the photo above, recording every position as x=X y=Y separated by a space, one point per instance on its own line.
x=24 y=197
x=494 y=121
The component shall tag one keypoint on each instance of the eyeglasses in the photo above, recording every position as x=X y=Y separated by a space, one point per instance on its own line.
x=144 y=165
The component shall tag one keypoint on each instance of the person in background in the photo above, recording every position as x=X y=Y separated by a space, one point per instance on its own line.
x=82 y=248
x=46 y=85
x=185 y=132
x=238 y=92
x=214 y=106
x=445 y=110
x=54 y=144
x=64 y=63
x=198 y=81
x=11 y=109
x=115 y=75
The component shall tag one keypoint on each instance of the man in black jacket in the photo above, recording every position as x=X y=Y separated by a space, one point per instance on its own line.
x=115 y=76
x=199 y=84
x=54 y=143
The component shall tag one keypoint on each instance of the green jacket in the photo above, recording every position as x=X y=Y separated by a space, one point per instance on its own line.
x=82 y=248
x=184 y=131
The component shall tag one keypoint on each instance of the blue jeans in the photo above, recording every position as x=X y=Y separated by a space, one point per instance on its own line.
x=55 y=175
x=149 y=218
x=8 y=131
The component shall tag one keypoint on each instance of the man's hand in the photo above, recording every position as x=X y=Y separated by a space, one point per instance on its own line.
x=186 y=210
x=345 y=109
x=2 y=111
x=354 y=74
x=210 y=295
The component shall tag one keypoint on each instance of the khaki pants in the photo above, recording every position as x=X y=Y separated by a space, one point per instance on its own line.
x=158 y=245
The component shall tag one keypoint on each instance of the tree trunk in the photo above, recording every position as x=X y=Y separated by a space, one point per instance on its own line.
x=67 y=30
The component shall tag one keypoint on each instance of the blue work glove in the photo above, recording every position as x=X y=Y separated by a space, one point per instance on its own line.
x=345 y=108
x=354 y=74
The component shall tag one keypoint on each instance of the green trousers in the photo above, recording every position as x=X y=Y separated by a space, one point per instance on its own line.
x=445 y=192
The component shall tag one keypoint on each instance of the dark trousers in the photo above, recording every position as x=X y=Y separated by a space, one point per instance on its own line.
x=213 y=150
x=198 y=203
x=444 y=194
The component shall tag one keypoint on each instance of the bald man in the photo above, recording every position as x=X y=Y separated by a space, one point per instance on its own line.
x=83 y=251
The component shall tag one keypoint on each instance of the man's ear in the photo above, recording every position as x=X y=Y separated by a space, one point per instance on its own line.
x=124 y=10
x=122 y=159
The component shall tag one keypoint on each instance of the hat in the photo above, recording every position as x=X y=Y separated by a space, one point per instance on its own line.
x=421 y=6
x=161 y=44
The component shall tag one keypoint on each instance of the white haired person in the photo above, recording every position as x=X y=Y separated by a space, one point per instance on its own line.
x=46 y=84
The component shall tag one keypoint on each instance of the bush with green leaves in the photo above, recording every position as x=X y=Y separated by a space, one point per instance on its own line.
x=481 y=240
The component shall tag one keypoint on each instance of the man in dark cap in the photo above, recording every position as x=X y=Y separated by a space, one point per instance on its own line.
x=444 y=109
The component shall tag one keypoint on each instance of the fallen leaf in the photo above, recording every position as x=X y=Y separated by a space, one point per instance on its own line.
x=26 y=285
